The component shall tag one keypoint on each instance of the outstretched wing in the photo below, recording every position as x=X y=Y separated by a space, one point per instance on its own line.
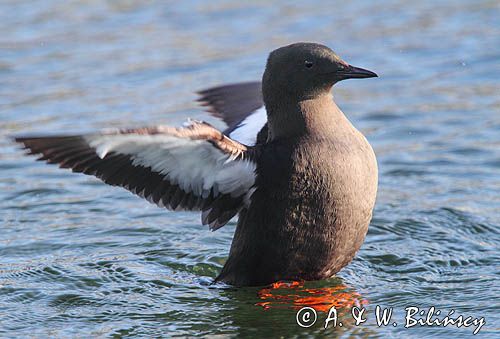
x=241 y=107
x=191 y=168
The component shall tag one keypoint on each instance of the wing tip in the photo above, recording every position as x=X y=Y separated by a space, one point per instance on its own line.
x=24 y=143
x=19 y=139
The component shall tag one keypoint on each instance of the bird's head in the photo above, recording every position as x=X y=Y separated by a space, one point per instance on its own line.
x=306 y=70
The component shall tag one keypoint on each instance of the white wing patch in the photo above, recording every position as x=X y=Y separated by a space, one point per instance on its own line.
x=196 y=166
x=247 y=130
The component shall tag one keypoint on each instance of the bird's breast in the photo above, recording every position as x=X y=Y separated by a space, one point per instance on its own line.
x=310 y=211
x=316 y=200
x=324 y=173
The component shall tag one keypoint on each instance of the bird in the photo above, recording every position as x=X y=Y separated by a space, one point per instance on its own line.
x=301 y=179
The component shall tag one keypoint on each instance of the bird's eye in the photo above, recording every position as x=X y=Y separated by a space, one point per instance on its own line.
x=308 y=64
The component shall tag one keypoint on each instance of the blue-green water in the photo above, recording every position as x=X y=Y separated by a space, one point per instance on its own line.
x=79 y=258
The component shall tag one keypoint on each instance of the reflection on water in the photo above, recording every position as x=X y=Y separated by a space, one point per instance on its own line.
x=80 y=258
x=296 y=296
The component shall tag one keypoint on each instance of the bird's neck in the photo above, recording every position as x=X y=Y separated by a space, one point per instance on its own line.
x=318 y=116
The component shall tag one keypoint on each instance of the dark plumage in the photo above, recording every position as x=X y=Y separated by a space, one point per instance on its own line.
x=232 y=103
x=304 y=192
x=316 y=176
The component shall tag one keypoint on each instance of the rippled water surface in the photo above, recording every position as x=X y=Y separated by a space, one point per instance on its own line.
x=79 y=258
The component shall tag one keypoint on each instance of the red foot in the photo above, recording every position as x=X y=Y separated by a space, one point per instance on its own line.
x=292 y=294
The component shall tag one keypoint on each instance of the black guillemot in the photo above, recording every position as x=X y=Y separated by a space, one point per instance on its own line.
x=300 y=177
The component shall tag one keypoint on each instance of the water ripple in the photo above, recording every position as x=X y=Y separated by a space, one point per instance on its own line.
x=78 y=258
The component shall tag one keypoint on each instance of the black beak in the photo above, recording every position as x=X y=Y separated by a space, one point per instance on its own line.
x=351 y=72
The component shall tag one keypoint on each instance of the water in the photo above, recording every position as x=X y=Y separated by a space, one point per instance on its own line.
x=78 y=258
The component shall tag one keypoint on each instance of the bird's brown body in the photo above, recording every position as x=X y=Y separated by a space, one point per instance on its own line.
x=311 y=210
